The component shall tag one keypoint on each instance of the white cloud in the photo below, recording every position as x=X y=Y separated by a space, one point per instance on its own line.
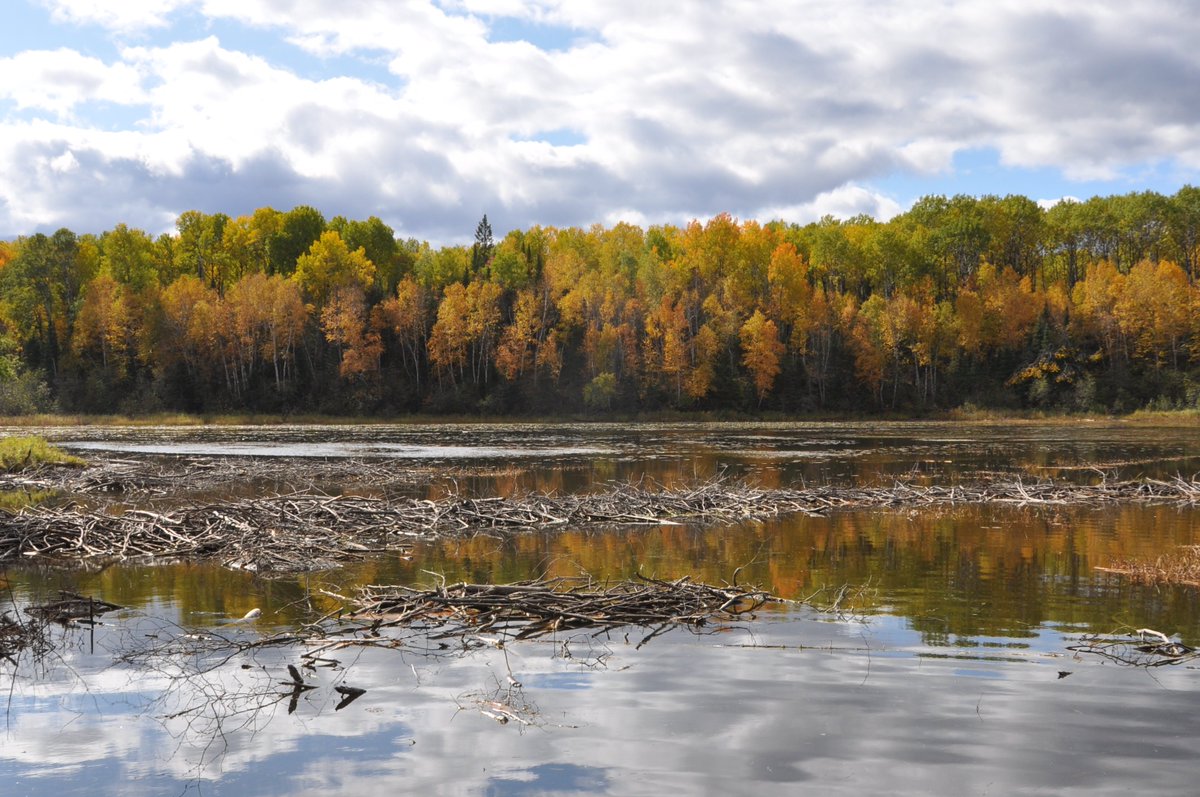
x=1046 y=204
x=59 y=80
x=683 y=110
x=124 y=15
x=841 y=203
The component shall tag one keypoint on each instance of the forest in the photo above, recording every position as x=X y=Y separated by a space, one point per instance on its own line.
x=986 y=302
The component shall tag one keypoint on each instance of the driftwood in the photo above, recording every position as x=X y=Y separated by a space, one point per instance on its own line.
x=531 y=609
x=1143 y=647
x=307 y=531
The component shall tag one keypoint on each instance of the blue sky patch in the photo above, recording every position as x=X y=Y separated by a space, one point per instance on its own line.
x=39 y=32
x=545 y=37
x=979 y=171
x=561 y=137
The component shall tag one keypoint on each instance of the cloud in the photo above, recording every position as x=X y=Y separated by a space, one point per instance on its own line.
x=59 y=80
x=842 y=202
x=123 y=16
x=675 y=111
x=1046 y=204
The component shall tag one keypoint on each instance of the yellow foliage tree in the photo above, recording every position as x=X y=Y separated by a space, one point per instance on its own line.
x=407 y=315
x=762 y=352
x=103 y=323
x=344 y=322
x=329 y=265
x=1153 y=310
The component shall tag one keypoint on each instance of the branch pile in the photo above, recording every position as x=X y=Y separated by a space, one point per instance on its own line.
x=306 y=531
x=282 y=534
x=531 y=609
x=17 y=635
x=295 y=533
x=156 y=477
x=1014 y=492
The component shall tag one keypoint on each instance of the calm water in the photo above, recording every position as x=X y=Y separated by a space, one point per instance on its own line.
x=943 y=673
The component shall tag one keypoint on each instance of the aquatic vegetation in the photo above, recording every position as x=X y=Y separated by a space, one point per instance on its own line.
x=27 y=453
x=1181 y=566
x=19 y=499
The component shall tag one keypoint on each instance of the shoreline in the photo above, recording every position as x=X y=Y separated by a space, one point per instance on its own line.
x=975 y=417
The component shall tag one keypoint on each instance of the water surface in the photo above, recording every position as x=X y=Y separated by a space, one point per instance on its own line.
x=947 y=670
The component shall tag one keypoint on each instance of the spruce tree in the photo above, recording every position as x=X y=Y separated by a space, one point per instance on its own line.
x=481 y=252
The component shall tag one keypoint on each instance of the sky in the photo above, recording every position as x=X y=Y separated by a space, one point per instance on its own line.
x=430 y=113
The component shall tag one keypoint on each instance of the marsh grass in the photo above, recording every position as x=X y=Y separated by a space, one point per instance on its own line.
x=14 y=500
x=24 y=453
x=967 y=414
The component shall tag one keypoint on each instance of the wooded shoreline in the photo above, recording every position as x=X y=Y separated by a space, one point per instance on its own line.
x=971 y=302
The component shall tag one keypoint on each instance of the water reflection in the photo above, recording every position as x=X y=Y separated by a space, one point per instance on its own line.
x=790 y=701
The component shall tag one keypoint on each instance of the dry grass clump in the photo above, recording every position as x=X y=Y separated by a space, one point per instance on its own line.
x=1181 y=566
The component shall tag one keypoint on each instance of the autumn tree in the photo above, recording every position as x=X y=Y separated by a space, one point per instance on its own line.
x=406 y=315
x=103 y=324
x=329 y=265
x=955 y=299
x=288 y=318
x=666 y=350
x=483 y=326
x=519 y=340
x=265 y=320
x=344 y=322
x=1153 y=310
x=449 y=338
x=1094 y=320
x=185 y=329
x=762 y=352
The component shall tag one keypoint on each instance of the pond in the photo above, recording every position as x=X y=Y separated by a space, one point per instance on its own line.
x=947 y=659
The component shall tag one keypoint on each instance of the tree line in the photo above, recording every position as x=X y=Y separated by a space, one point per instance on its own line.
x=989 y=301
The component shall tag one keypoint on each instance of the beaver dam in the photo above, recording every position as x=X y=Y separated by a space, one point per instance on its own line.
x=298 y=532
